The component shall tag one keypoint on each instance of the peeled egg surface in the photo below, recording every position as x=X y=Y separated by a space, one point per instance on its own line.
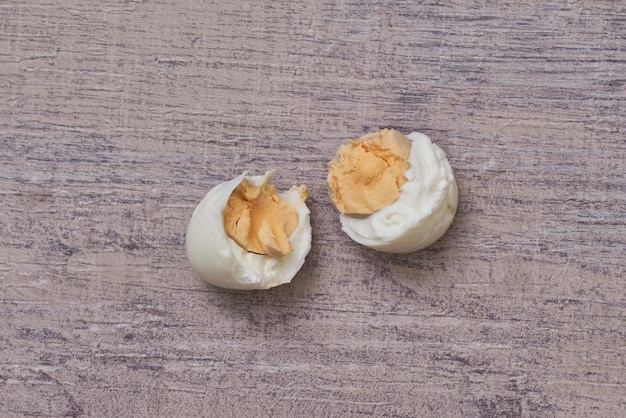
x=220 y=261
x=423 y=211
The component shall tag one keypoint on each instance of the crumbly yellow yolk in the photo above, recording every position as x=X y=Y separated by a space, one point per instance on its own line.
x=366 y=174
x=259 y=221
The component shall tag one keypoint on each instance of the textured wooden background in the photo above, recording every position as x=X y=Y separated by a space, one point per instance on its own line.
x=116 y=117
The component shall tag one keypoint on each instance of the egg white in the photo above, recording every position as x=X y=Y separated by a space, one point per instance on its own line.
x=423 y=211
x=220 y=261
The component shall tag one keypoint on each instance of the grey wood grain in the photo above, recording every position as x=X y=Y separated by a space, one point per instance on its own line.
x=116 y=117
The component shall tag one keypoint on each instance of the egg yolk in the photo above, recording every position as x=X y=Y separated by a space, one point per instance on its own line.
x=259 y=221
x=366 y=174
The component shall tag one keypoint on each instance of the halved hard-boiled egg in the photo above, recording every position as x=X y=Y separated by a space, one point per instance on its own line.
x=395 y=193
x=245 y=235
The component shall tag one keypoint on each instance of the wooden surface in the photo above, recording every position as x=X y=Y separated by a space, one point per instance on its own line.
x=117 y=117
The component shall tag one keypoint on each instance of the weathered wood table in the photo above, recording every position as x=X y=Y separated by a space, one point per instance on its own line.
x=116 y=117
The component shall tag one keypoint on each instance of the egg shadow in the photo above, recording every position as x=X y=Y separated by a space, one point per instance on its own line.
x=267 y=309
x=409 y=275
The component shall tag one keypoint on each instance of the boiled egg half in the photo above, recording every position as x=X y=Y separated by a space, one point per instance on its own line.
x=395 y=193
x=245 y=235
